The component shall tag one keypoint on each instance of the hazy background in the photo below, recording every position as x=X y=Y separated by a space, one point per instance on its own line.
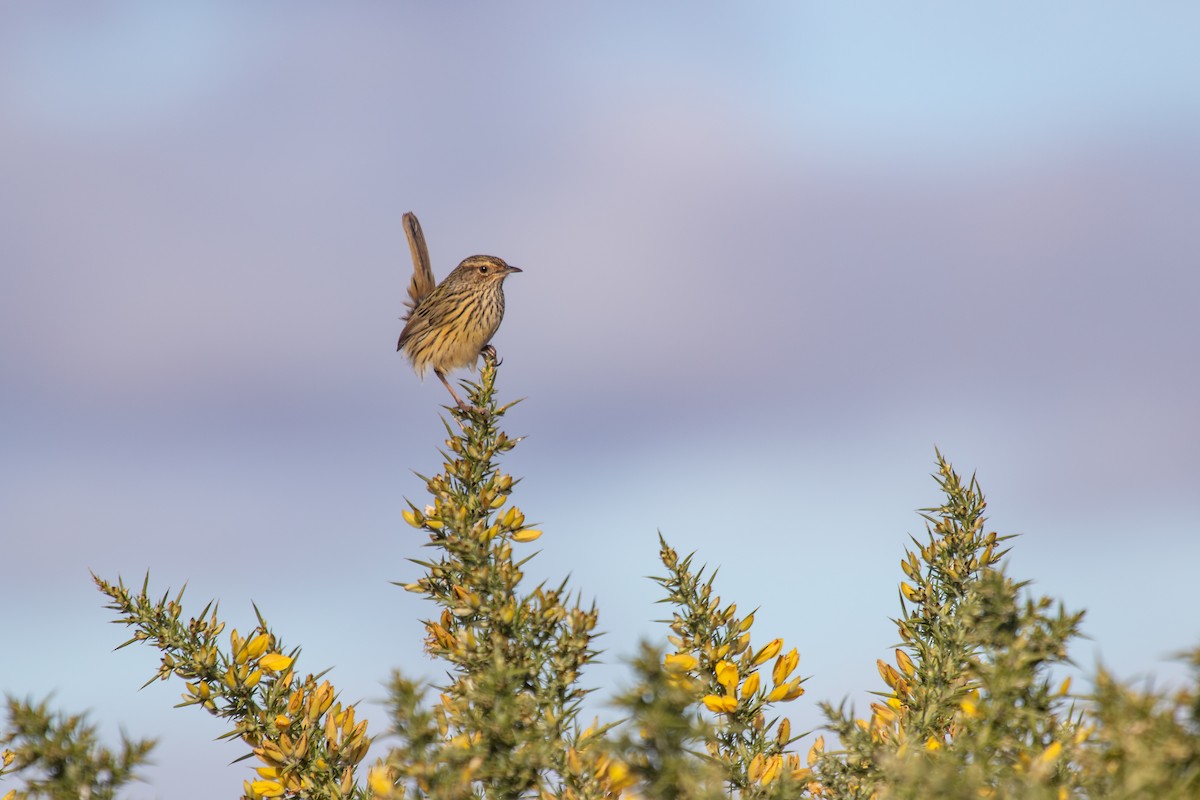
x=773 y=255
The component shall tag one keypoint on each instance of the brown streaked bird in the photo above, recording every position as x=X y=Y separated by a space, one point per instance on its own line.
x=449 y=326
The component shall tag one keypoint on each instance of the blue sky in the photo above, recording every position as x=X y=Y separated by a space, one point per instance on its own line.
x=773 y=256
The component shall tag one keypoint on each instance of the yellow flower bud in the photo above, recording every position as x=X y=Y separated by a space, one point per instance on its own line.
x=768 y=652
x=889 y=674
x=527 y=535
x=750 y=686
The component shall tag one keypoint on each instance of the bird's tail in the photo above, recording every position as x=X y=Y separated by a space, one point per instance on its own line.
x=422 y=280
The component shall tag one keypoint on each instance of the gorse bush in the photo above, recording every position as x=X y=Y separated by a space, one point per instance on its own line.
x=60 y=757
x=968 y=705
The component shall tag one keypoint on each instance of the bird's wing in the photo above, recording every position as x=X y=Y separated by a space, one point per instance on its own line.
x=422 y=280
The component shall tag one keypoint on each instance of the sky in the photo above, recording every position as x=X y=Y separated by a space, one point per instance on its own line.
x=773 y=256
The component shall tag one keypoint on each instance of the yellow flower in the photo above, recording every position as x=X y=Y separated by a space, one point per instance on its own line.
x=275 y=662
x=750 y=686
x=619 y=776
x=680 y=662
x=267 y=788
x=719 y=704
x=727 y=676
x=816 y=751
x=786 y=692
x=784 y=666
x=754 y=770
x=771 y=769
x=802 y=774
x=932 y=743
x=379 y=780
x=1050 y=754
x=768 y=652
x=258 y=645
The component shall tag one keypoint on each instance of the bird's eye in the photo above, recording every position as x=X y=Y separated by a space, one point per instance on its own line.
x=483 y=269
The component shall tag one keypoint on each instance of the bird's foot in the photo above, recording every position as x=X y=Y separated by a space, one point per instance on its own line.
x=489 y=353
x=470 y=409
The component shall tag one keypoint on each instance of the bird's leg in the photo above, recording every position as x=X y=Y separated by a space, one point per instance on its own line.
x=453 y=394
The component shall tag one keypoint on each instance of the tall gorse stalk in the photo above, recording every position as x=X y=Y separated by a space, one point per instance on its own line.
x=505 y=725
x=971 y=705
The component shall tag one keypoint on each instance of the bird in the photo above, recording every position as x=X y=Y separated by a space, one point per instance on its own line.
x=449 y=325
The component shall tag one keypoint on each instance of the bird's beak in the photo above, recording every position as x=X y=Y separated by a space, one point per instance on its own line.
x=509 y=268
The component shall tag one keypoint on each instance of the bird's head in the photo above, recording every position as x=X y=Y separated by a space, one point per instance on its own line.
x=484 y=269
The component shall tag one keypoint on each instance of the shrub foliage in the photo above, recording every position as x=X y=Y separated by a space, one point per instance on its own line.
x=969 y=704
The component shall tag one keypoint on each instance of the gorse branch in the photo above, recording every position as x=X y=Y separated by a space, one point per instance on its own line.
x=60 y=756
x=714 y=649
x=307 y=741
